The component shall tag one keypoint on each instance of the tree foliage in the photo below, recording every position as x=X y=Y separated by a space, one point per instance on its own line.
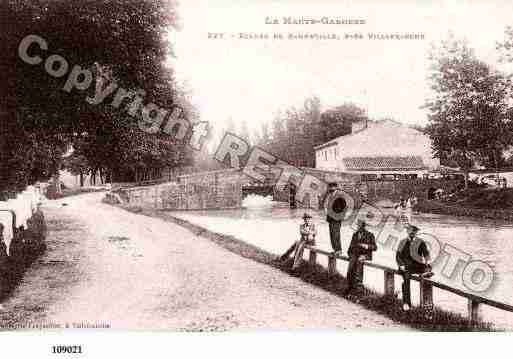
x=296 y=131
x=469 y=112
x=121 y=40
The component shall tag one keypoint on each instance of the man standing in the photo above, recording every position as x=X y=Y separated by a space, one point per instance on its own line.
x=412 y=257
x=362 y=245
x=334 y=206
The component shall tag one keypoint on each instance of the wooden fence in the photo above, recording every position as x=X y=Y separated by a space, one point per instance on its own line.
x=475 y=302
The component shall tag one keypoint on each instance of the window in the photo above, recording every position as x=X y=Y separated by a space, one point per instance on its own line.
x=336 y=154
x=325 y=155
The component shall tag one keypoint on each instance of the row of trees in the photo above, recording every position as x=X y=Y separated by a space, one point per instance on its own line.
x=293 y=133
x=123 y=40
x=470 y=112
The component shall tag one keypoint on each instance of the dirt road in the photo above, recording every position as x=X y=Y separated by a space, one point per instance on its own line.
x=106 y=265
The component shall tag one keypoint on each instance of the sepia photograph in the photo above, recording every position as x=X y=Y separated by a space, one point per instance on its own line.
x=291 y=166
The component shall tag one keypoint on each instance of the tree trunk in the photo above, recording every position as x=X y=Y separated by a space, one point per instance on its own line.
x=81 y=179
x=466 y=175
x=102 y=180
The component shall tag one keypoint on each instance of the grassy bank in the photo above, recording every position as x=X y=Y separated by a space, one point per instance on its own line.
x=478 y=203
x=390 y=306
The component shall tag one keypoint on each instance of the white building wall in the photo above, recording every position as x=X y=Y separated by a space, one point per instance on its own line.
x=384 y=138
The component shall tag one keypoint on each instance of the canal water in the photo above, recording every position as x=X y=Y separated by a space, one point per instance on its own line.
x=273 y=226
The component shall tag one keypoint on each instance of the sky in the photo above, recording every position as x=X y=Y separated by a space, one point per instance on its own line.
x=251 y=79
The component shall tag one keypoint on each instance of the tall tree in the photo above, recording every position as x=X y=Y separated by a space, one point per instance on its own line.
x=244 y=131
x=469 y=110
x=337 y=121
x=125 y=39
x=297 y=130
x=265 y=133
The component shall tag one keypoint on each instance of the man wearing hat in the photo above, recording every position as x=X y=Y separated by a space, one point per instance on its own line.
x=307 y=232
x=362 y=245
x=334 y=205
x=412 y=257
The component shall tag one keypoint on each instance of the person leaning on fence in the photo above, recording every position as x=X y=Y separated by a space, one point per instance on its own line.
x=334 y=206
x=362 y=245
x=307 y=232
x=412 y=257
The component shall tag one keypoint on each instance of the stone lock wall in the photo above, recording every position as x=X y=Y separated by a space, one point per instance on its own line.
x=223 y=190
x=370 y=191
x=209 y=190
x=214 y=190
x=347 y=182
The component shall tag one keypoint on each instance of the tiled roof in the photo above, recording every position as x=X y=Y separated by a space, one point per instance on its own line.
x=384 y=163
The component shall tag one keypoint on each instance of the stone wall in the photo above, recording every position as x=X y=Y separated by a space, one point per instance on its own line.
x=223 y=190
x=371 y=190
x=348 y=182
x=209 y=190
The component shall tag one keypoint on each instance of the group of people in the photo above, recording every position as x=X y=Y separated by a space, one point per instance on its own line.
x=412 y=255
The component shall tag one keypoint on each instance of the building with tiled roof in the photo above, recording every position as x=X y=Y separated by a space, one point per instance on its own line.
x=380 y=149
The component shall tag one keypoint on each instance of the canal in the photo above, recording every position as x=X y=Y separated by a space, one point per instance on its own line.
x=273 y=226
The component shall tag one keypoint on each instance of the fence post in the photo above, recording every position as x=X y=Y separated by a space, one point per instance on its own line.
x=313 y=257
x=474 y=311
x=426 y=294
x=389 y=282
x=332 y=265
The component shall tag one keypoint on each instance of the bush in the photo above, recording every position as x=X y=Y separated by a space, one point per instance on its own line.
x=25 y=247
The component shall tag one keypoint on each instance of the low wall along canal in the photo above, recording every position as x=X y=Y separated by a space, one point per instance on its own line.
x=226 y=189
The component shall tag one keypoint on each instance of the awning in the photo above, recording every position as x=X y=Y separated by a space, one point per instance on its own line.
x=391 y=163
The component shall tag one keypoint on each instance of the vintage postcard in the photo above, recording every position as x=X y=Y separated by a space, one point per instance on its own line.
x=227 y=166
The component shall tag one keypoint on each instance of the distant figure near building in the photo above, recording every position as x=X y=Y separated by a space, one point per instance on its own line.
x=411 y=204
x=362 y=245
x=334 y=206
x=412 y=258
x=403 y=211
x=401 y=204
